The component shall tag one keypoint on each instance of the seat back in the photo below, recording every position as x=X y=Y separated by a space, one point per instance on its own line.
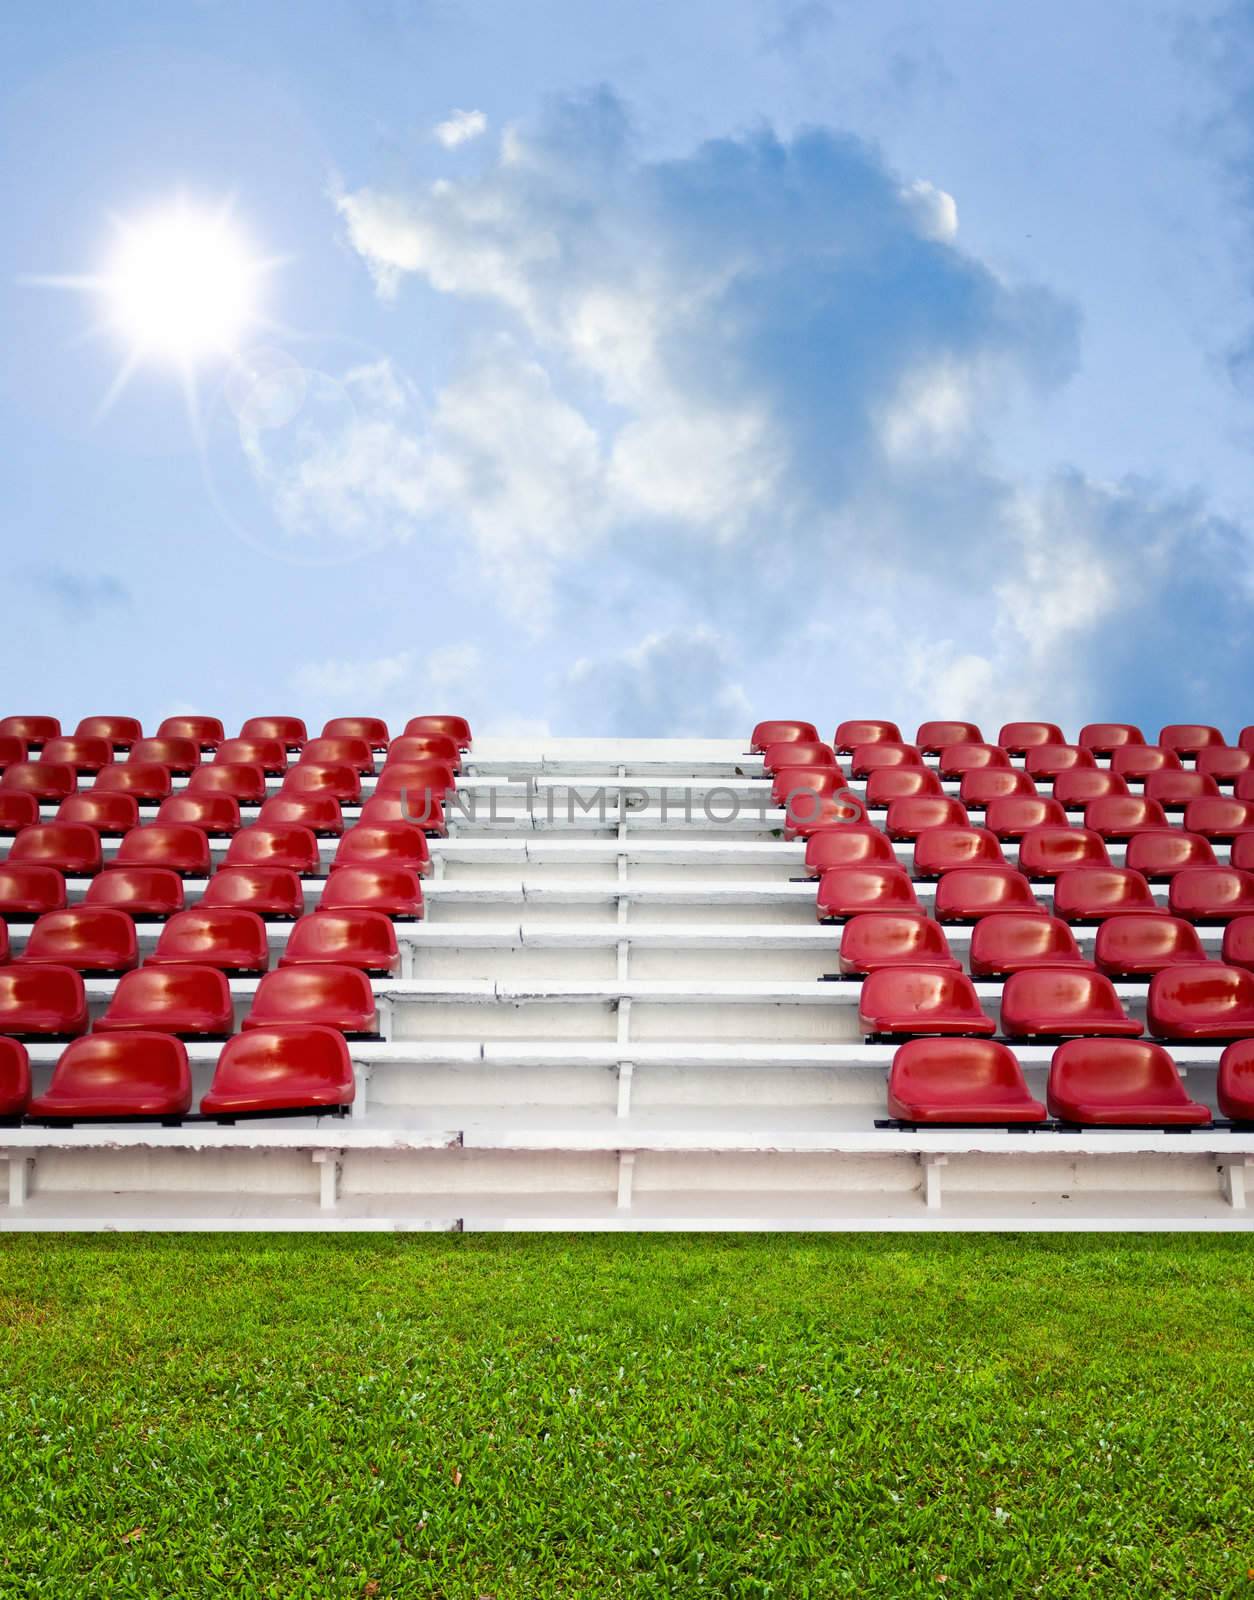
x=106 y=813
x=209 y=813
x=396 y=891
x=1046 y=851
x=1136 y=761
x=41 y=999
x=320 y=813
x=1020 y=737
x=18 y=810
x=372 y=729
x=1014 y=814
x=868 y=758
x=244 y=782
x=791 y=753
x=1211 y=894
x=87 y=938
x=80 y=751
x=982 y=785
x=1118 y=1082
x=1174 y=789
x=1047 y=1002
x=1138 y=946
x=355 y=753
x=35 y=730
x=909 y=815
x=230 y=938
x=1009 y=941
x=207 y=732
x=933 y=737
x=1074 y=788
x=848 y=844
x=887 y=784
x=178 y=754
x=1187 y=738
x=1160 y=853
x=299 y=1066
x=142 y=780
x=268 y=754
x=1238 y=946
x=286 y=845
x=1117 y=816
x=1224 y=762
x=139 y=891
x=184 y=849
x=1206 y=1001
x=118 y=1076
x=269 y=891
x=959 y=1081
x=46 y=780
x=174 y=999
x=894 y=939
x=1104 y=738
x=336 y=996
x=938 y=850
x=14 y=1078
x=896 y=1000
x=458 y=728
x=969 y=893
x=426 y=747
x=70 y=847
x=1047 y=761
x=352 y=938
x=1217 y=817
x=399 y=844
x=289 y=731
x=1090 y=894
x=121 y=732
x=30 y=889
x=956 y=760
x=852 y=733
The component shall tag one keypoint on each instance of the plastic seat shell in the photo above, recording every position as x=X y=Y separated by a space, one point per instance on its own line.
x=116 y=1076
x=139 y=891
x=1119 y=1083
x=1012 y=941
x=969 y=893
x=1139 y=946
x=1091 y=894
x=298 y=1066
x=920 y=1000
x=70 y=847
x=959 y=1081
x=1211 y=894
x=1053 y=1002
x=194 y=1001
x=267 y=890
x=351 y=938
x=88 y=938
x=42 y=1000
x=894 y=939
x=335 y=996
x=230 y=938
x=1206 y=1001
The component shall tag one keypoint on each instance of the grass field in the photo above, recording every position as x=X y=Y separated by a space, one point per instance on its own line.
x=479 y=1416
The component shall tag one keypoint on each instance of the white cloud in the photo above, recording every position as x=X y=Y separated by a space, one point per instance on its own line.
x=935 y=211
x=670 y=684
x=459 y=128
x=367 y=680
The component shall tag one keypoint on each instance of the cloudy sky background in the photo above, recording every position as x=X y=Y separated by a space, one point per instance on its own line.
x=643 y=369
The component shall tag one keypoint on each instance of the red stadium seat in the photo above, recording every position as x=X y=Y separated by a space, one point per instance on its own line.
x=1187 y=738
x=426 y=747
x=298 y=1067
x=959 y=1081
x=1047 y=761
x=1075 y=788
x=396 y=891
x=911 y=814
x=243 y=782
x=1206 y=1001
x=1217 y=817
x=1051 y=1002
x=1104 y=738
x=18 y=811
x=852 y=891
x=259 y=846
x=181 y=756
x=809 y=807
x=269 y=891
x=1164 y=851
x=139 y=891
x=984 y=784
x=191 y=1001
x=887 y=784
x=1138 y=947
x=458 y=728
x=339 y=780
x=83 y=937
x=1119 y=1083
x=1242 y=852
x=355 y=753
x=207 y=732
x=216 y=814
x=12 y=750
x=184 y=849
x=1209 y=894
x=35 y=730
x=1020 y=737
x=764 y=735
x=320 y=813
x=394 y=844
x=14 y=1080
x=106 y=813
x=869 y=758
x=1244 y=787
x=432 y=778
x=894 y=939
x=336 y=997
x=372 y=729
x=792 y=753
x=399 y=806
x=47 y=780
x=29 y=891
x=144 y=781
x=1117 y=816
x=932 y=737
x=1137 y=761
x=121 y=732
x=70 y=847
x=1224 y=762
x=1015 y=814
x=1091 y=894
x=268 y=754
x=1174 y=790
x=109 y=1078
x=1045 y=852
x=85 y=755
x=970 y=893
x=229 y=938
x=289 y=731
x=849 y=844
x=938 y=850
x=956 y=760
x=792 y=786
x=355 y=938
x=897 y=1000
x=1234 y=1083
x=1238 y=947
x=41 y=1001
x=1012 y=941
x=852 y=733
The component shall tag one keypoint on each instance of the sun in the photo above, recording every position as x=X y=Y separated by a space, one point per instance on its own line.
x=180 y=288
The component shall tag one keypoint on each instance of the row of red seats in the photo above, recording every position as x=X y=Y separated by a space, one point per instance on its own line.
x=296 y=1067
x=1116 y=1083
x=101 y=941
x=1015 y=738
x=42 y=1000
x=1079 y=894
x=1012 y=941
x=207 y=733
x=1206 y=1000
x=1046 y=763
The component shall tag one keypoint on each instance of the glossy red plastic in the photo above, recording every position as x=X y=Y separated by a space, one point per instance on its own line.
x=1075 y=788
x=1091 y=894
x=852 y=733
x=144 y=781
x=1117 y=816
x=1162 y=852
x=791 y=786
x=938 y=850
x=1217 y=817
x=396 y=891
x=289 y=731
x=207 y=732
x=458 y=728
x=48 y=781
x=39 y=1000
x=244 y=782
x=296 y=1067
x=192 y=1001
x=970 y=893
x=1020 y=737
x=121 y=732
x=419 y=778
x=216 y=814
x=945 y=1081
x=268 y=754
x=336 y=997
x=1209 y=894
x=269 y=891
x=1119 y=1083
x=1206 y=1001
x=1052 y=1002
x=910 y=815
x=426 y=747
x=353 y=938
x=70 y=847
x=29 y=891
x=87 y=938
x=320 y=813
x=868 y=758
x=178 y=754
x=1012 y=941
x=230 y=938
x=12 y=750
x=34 y=729
x=932 y=737
x=139 y=891
x=894 y=939
x=850 y=844
x=14 y=1079
x=1187 y=738
x=339 y=780
x=1046 y=851
x=400 y=806
x=1238 y=945
x=920 y=1000
x=105 y=813
x=852 y=891
x=1234 y=1083
x=956 y=760
x=185 y=850
x=1138 y=947
x=793 y=753
x=18 y=811
x=984 y=784
x=112 y=1076
x=287 y=846
x=1104 y=738
x=393 y=844
x=1137 y=762
x=1174 y=790
x=1047 y=761
x=887 y=784
x=1224 y=762
x=1015 y=814
x=355 y=753
x=85 y=754
x=372 y=729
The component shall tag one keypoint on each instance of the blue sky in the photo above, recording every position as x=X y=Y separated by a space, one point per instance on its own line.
x=642 y=369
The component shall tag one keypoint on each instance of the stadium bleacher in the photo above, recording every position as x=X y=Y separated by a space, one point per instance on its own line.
x=342 y=979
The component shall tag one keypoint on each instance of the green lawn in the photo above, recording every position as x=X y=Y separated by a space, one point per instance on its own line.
x=748 y=1416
